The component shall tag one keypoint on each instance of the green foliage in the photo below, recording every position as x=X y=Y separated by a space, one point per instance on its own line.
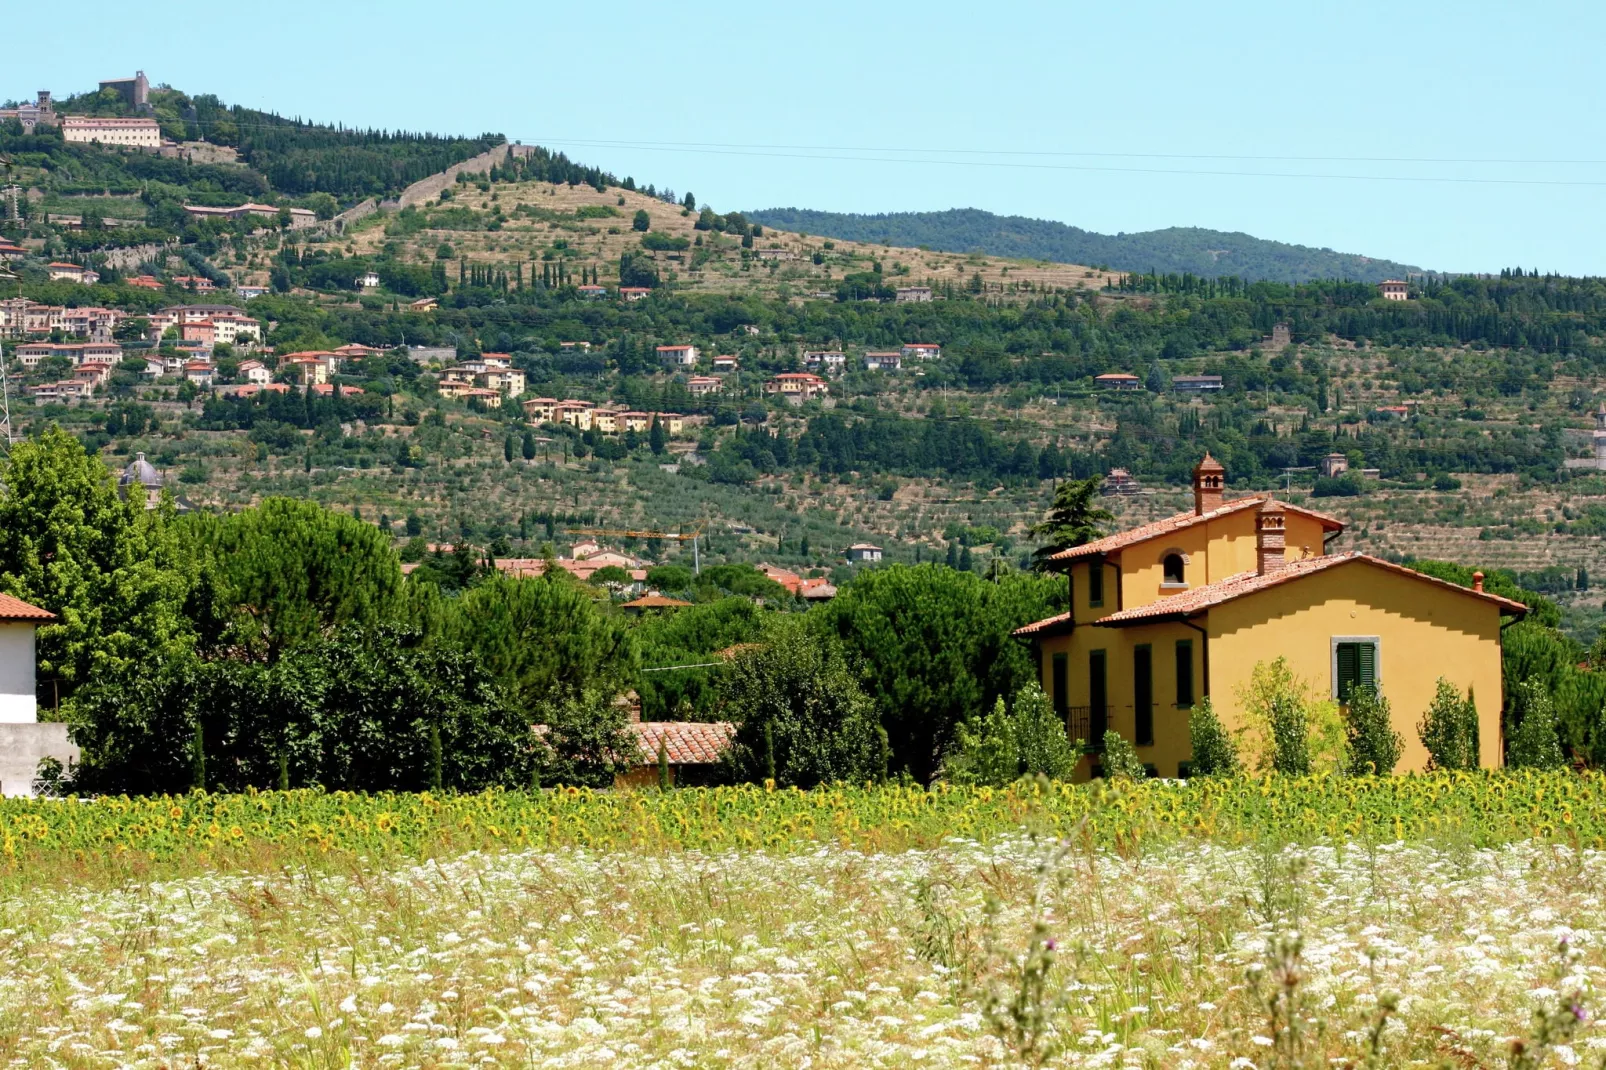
x=289 y=571
x=1175 y=249
x=1374 y=746
x=933 y=645
x=1532 y=740
x=586 y=742
x=1287 y=727
x=1007 y=744
x=670 y=577
x=1074 y=520
x=657 y=241
x=801 y=717
x=1449 y=729
x=1214 y=751
x=691 y=636
x=641 y=221
x=1121 y=758
x=113 y=572
x=362 y=710
x=544 y=639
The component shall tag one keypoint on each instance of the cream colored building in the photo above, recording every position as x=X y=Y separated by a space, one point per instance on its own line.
x=130 y=133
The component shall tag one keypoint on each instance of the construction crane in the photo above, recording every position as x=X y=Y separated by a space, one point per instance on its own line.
x=626 y=533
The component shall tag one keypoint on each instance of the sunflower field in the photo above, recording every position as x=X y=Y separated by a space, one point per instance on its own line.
x=1480 y=808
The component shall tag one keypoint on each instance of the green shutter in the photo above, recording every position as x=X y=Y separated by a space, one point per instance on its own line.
x=1357 y=667
x=1366 y=675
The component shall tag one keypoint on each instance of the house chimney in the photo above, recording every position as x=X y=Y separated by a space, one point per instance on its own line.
x=1209 y=480
x=1477 y=582
x=1269 y=533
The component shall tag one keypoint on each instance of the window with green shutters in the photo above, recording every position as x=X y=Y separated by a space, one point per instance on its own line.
x=1095 y=582
x=1354 y=665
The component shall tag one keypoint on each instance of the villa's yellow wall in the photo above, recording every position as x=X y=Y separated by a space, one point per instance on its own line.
x=1214 y=550
x=1171 y=744
x=1424 y=631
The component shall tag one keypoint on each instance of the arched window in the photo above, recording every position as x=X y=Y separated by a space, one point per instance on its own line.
x=1173 y=565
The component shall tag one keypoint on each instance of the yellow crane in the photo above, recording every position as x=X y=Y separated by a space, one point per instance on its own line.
x=696 y=558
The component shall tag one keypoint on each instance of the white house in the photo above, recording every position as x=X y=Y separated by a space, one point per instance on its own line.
x=883 y=362
x=254 y=371
x=864 y=551
x=18 y=620
x=369 y=280
x=678 y=356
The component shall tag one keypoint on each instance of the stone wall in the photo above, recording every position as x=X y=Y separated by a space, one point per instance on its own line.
x=427 y=188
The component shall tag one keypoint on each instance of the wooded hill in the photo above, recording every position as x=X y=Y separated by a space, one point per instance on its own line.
x=1172 y=250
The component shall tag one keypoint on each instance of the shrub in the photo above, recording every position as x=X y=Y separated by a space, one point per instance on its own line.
x=1374 y=745
x=1534 y=742
x=986 y=752
x=1121 y=758
x=1214 y=752
x=1006 y=745
x=1288 y=729
x=1449 y=729
x=1040 y=736
x=800 y=715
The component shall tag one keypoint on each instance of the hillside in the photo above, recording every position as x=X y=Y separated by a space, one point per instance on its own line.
x=518 y=227
x=1174 y=250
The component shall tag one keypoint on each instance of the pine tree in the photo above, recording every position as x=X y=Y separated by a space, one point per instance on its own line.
x=1073 y=521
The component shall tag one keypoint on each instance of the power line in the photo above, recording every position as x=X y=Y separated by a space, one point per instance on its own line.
x=830 y=153
x=1189 y=172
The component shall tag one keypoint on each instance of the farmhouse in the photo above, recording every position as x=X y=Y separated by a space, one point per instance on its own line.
x=1394 y=290
x=797 y=387
x=912 y=293
x=889 y=361
x=829 y=360
x=862 y=552
x=1182 y=609
x=678 y=356
x=920 y=351
x=73 y=273
x=701 y=385
x=1117 y=381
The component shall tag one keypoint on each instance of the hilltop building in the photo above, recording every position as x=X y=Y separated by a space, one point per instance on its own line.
x=1394 y=290
x=127 y=133
x=1182 y=609
x=135 y=91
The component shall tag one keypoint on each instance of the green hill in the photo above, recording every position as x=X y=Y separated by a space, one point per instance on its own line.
x=1173 y=250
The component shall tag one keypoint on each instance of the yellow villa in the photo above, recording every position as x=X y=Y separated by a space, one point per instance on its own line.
x=1179 y=609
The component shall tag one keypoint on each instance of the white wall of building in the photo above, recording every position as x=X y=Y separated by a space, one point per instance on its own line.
x=17 y=705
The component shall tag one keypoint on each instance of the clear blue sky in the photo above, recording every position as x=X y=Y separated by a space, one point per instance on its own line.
x=1361 y=79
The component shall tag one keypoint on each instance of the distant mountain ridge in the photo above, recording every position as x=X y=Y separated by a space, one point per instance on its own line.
x=1174 y=249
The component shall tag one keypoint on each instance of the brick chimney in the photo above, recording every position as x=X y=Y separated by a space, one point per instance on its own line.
x=1270 y=528
x=1209 y=481
x=1477 y=582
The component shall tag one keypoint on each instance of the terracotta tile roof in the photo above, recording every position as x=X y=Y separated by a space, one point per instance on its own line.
x=654 y=601
x=1041 y=627
x=685 y=742
x=1153 y=530
x=1214 y=594
x=16 y=609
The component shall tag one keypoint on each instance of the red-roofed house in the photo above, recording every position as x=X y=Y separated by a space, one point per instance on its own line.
x=18 y=620
x=1182 y=609
x=678 y=356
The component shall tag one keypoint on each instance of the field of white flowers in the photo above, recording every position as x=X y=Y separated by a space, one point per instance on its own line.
x=1016 y=952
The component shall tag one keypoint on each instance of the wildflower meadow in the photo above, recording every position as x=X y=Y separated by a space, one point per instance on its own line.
x=1447 y=920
